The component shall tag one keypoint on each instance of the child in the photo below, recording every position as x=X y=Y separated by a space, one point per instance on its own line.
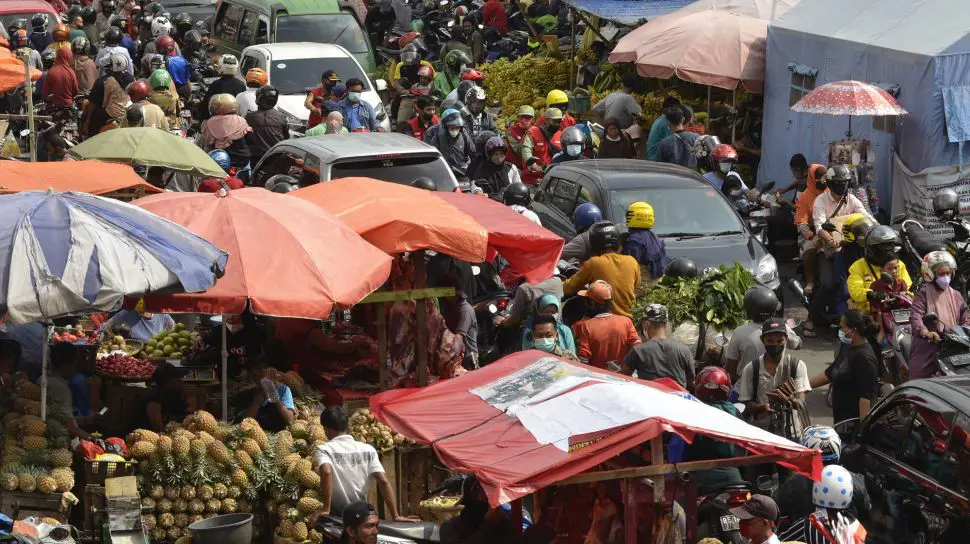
x=881 y=286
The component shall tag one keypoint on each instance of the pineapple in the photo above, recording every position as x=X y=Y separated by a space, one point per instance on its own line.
x=301 y=446
x=148 y=522
x=195 y=518
x=311 y=494
x=317 y=434
x=308 y=505
x=207 y=492
x=286 y=529
x=147 y=503
x=9 y=482
x=284 y=444
x=187 y=492
x=250 y=446
x=180 y=506
x=180 y=446
x=142 y=449
x=220 y=453
x=163 y=446
x=220 y=491
x=221 y=432
x=197 y=448
x=174 y=533
x=184 y=539
x=233 y=492
x=205 y=437
x=61 y=458
x=213 y=506
x=34 y=443
x=159 y=534
x=229 y=506
x=181 y=521
x=310 y=479
x=157 y=492
x=290 y=461
x=64 y=478
x=30 y=407
x=141 y=435
x=47 y=484
x=285 y=511
x=28 y=390
x=26 y=482
x=243 y=460
x=315 y=537
x=57 y=434
x=299 y=429
x=33 y=426
x=172 y=493
x=164 y=506
x=300 y=531
x=204 y=421
x=197 y=506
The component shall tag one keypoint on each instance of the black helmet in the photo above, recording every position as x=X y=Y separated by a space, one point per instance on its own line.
x=89 y=16
x=602 y=236
x=517 y=194
x=183 y=22
x=113 y=37
x=108 y=6
x=79 y=45
x=154 y=9
x=760 y=303
x=572 y=135
x=463 y=89
x=681 y=267
x=946 y=204
x=16 y=25
x=48 y=56
x=39 y=22
x=72 y=13
x=267 y=96
x=882 y=245
x=425 y=183
x=282 y=183
x=119 y=22
x=135 y=115
x=192 y=40
x=410 y=55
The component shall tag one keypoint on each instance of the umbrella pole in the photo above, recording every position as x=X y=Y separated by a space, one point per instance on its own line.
x=734 y=123
x=32 y=137
x=382 y=346
x=707 y=122
x=225 y=373
x=421 y=282
x=45 y=356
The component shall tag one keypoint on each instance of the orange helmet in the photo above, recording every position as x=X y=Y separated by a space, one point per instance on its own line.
x=472 y=75
x=62 y=33
x=257 y=76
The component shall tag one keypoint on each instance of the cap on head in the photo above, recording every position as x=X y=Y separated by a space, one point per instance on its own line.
x=356 y=513
x=772 y=326
x=758 y=506
x=599 y=291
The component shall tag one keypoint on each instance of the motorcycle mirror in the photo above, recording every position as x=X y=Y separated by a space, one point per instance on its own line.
x=24 y=133
x=829 y=227
x=380 y=85
x=739 y=406
x=899 y=218
x=930 y=320
x=451 y=23
x=767 y=187
x=721 y=340
x=755 y=226
x=799 y=291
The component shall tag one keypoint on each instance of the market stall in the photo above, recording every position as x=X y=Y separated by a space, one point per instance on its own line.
x=147 y=146
x=94 y=177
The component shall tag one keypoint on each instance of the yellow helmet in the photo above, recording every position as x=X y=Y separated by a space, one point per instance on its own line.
x=639 y=215
x=855 y=227
x=556 y=97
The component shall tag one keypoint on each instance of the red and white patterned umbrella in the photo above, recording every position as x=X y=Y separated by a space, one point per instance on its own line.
x=849 y=98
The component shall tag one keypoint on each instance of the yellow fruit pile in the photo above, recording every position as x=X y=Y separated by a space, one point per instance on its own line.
x=524 y=81
x=364 y=427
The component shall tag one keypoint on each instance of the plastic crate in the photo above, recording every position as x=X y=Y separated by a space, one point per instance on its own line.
x=96 y=472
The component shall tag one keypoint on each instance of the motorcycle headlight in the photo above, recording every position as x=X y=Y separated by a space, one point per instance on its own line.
x=767 y=272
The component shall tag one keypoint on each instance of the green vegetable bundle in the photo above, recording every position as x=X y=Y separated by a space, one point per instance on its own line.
x=715 y=298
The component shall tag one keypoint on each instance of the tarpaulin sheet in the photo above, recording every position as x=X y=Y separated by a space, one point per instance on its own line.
x=956 y=106
x=94 y=177
x=628 y=12
x=466 y=420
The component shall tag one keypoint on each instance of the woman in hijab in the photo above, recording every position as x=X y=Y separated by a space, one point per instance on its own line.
x=60 y=84
x=616 y=144
x=548 y=304
x=226 y=130
x=84 y=67
x=936 y=296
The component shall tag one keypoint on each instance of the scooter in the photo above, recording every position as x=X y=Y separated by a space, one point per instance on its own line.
x=714 y=517
x=916 y=242
x=954 y=355
x=894 y=309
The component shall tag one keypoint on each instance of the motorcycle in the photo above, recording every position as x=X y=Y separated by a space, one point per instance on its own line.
x=756 y=207
x=954 y=356
x=894 y=309
x=714 y=517
x=916 y=242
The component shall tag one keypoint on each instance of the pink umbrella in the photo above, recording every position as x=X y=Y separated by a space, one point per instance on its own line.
x=710 y=47
x=849 y=98
x=759 y=9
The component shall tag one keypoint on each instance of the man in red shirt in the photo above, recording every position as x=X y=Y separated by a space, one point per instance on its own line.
x=495 y=16
x=604 y=337
x=317 y=96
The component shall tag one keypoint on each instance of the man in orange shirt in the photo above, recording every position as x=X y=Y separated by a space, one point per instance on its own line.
x=604 y=337
x=810 y=183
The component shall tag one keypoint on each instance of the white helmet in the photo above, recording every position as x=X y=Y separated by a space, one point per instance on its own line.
x=834 y=490
x=824 y=439
x=227 y=65
x=118 y=64
x=161 y=26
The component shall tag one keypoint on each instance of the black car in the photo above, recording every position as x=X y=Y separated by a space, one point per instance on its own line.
x=913 y=449
x=692 y=217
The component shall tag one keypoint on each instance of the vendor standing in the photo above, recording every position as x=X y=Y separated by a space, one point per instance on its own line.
x=63 y=366
x=143 y=325
x=166 y=400
x=272 y=405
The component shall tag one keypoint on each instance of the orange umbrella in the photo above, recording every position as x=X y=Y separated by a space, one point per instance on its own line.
x=93 y=177
x=288 y=258
x=398 y=218
x=12 y=71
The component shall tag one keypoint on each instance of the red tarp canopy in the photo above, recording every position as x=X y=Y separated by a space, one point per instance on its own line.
x=473 y=436
x=93 y=177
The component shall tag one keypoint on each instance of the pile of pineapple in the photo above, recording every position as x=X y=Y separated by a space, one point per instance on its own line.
x=35 y=455
x=364 y=427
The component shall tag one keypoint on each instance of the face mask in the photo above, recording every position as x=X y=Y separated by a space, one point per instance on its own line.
x=353 y=97
x=525 y=124
x=453 y=132
x=497 y=158
x=802 y=185
x=774 y=352
x=844 y=338
x=329 y=85
x=821 y=184
x=838 y=189
x=574 y=150
x=943 y=281
x=545 y=344
x=613 y=138
x=554 y=126
x=724 y=167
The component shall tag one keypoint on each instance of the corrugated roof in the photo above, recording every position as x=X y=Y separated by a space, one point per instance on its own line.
x=922 y=27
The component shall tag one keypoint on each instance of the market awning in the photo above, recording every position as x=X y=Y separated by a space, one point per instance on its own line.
x=12 y=71
x=626 y=12
x=94 y=177
x=568 y=418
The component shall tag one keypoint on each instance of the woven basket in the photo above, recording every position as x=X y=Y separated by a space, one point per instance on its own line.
x=439 y=515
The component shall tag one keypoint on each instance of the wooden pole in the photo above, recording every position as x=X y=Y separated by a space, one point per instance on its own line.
x=628 y=487
x=421 y=316
x=572 y=51
x=225 y=370
x=669 y=468
x=657 y=459
x=382 y=346
x=32 y=137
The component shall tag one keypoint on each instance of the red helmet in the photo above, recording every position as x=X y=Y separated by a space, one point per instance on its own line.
x=426 y=71
x=138 y=90
x=165 y=45
x=61 y=33
x=712 y=384
x=407 y=38
x=472 y=75
x=724 y=152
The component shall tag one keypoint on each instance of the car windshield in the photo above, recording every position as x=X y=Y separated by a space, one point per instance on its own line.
x=681 y=211
x=297 y=76
x=339 y=28
x=397 y=170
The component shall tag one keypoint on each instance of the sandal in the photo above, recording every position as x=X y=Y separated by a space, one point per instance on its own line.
x=808 y=330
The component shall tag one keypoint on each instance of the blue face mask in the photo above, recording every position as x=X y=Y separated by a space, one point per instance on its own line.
x=843 y=338
x=943 y=281
x=574 y=150
x=545 y=344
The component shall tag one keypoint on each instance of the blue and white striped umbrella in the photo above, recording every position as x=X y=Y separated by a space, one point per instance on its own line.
x=69 y=253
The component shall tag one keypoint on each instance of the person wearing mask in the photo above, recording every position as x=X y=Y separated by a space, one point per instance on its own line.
x=227 y=66
x=272 y=405
x=560 y=100
x=760 y=305
x=545 y=336
x=360 y=524
x=881 y=247
x=835 y=202
x=85 y=69
x=268 y=123
x=830 y=522
x=660 y=129
x=526 y=299
x=621 y=105
x=497 y=173
x=359 y=115
x=20 y=45
x=160 y=26
x=162 y=96
x=495 y=16
x=573 y=142
x=379 y=21
x=102 y=24
x=768 y=372
x=227 y=130
x=452 y=140
x=334 y=124
x=346 y=468
x=642 y=244
x=89 y=16
x=121 y=22
x=584 y=216
x=660 y=357
x=141 y=324
x=547 y=305
x=60 y=85
x=404 y=79
x=108 y=102
x=112 y=46
x=40 y=37
x=535 y=146
x=855 y=228
x=473 y=39
x=518 y=197
x=153 y=116
x=622 y=272
x=758 y=517
x=166 y=401
x=424 y=118
x=936 y=296
x=230 y=182
x=183 y=24
x=517 y=133
x=603 y=337
x=616 y=143
x=478 y=120
x=810 y=182
x=678 y=148
x=722 y=161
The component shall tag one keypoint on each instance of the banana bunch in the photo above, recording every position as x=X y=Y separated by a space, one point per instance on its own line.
x=525 y=81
